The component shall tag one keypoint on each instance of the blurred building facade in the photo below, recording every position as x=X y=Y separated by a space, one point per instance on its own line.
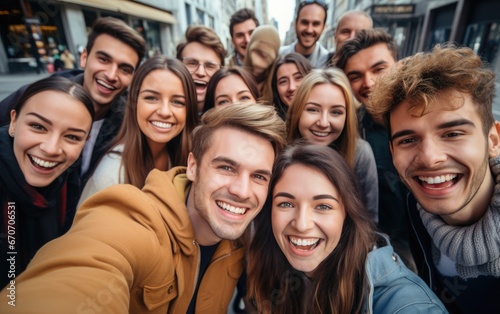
x=418 y=25
x=31 y=29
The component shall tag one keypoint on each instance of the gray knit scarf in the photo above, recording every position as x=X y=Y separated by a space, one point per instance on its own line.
x=475 y=248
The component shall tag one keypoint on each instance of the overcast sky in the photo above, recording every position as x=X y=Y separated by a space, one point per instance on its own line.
x=282 y=11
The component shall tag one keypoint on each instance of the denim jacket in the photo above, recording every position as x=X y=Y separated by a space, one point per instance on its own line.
x=393 y=288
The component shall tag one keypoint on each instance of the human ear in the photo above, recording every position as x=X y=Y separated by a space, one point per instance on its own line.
x=494 y=140
x=191 y=167
x=12 y=125
x=83 y=58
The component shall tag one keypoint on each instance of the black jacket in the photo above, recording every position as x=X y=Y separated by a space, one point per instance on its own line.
x=109 y=129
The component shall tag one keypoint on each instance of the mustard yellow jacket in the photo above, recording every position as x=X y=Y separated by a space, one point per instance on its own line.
x=128 y=251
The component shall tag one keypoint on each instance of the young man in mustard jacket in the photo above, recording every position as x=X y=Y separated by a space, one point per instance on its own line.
x=175 y=246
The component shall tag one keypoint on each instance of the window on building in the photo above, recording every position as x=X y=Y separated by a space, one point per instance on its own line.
x=188 y=14
x=201 y=16
x=211 y=22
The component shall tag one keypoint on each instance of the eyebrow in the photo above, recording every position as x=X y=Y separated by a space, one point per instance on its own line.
x=284 y=194
x=319 y=105
x=316 y=197
x=124 y=64
x=158 y=93
x=376 y=64
x=50 y=122
x=327 y=196
x=445 y=125
x=235 y=164
x=238 y=93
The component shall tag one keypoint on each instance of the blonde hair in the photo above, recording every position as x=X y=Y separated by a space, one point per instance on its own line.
x=346 y=142
x=258 y=119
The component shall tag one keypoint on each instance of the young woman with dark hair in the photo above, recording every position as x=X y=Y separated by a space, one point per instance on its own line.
x=320 y=249
x=49 y=126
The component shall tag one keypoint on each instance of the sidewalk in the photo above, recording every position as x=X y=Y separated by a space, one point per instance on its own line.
x=11 y=82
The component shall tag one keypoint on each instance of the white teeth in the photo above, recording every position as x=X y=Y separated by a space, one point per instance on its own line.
x=44 y=163
x=303 y=242
x=232 y=209
x=438 y=179
x=200 y=82
x=322 y=134
x=106 y=85
x=162 y=125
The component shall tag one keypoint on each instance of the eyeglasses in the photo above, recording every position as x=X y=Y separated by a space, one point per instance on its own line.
x=319 y=2
x=192 y=65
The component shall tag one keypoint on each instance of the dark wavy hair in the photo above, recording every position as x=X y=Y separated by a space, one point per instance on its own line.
x=225 y=72
x=304 y=67
x=338 y=283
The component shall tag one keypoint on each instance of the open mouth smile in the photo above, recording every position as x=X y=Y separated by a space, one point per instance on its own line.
x=162 y=125
x=105 y=85
x=439 y=182
x=320 y=134
x=230 y=208
x=304 y=244
x=41 y=163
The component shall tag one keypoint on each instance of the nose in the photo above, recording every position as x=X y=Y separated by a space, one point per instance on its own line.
x=112 y=72
x=323 y=120
x=247 y=39
x=201 y=71
x=369 y=80
x=240 y=187
x=164 y=109
x=302 y=220
x=292 y=86
x=51 y=146
x=309 y=29
x=351 y=35
x=430 y=153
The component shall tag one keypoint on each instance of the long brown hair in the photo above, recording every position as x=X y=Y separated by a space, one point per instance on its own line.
x=338 y=285
x=346 y=142
x=223 y=73
x=270 y=91
x=137 y=160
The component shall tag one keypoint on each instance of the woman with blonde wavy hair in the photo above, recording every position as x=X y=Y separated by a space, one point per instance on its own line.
x=323 y=112
x=156 y=132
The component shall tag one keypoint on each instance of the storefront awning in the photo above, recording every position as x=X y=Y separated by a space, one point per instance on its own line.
x=128 y=7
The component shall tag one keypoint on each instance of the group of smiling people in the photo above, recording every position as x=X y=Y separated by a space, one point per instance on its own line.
x=313 y=248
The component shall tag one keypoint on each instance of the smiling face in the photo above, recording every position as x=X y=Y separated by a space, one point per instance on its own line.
x=161 y=108
x=203 y=54
x=230 y=184
x=324 y=115
x=365 y=67
x=288 y=79
x=49 y=134
x=307 y=217
x=309 y=25
x=108 y=71
x=232 y=89
x=241 y=36
x=443 y=157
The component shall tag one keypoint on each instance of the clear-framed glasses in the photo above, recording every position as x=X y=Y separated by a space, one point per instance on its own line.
x=192 y=65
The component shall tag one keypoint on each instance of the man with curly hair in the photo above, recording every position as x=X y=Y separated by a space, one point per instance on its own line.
x=445 y=145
